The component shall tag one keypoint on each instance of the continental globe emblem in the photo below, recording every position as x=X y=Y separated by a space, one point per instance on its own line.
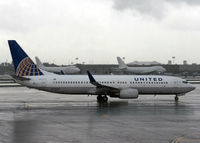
x=27 y=68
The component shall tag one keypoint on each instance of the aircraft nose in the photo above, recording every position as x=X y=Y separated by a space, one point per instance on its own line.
x=191 y=87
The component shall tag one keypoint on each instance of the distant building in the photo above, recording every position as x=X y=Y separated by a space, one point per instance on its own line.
x=185 y=62
x=169 y=62
x=5 y=64
x=144 y=63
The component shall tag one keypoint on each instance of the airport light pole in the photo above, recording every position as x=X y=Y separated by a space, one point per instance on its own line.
x=173 y=59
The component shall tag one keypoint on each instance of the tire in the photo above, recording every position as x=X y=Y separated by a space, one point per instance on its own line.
x=176 y=98
x=105 y=98
x=99 y=98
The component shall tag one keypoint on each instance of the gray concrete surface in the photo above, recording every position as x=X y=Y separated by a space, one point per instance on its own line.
x=32 y=116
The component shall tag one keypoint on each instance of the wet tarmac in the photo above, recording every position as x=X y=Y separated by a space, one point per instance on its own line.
x=32 y=116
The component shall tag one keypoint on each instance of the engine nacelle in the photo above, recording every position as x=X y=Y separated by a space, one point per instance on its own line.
x=128 y=93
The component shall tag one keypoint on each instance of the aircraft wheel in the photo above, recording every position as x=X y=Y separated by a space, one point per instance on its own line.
x=99 y=98
x=176 y=98
x=102 y=99
x=105 y=98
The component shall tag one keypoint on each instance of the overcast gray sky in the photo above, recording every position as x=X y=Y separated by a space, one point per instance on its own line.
x=97 y=31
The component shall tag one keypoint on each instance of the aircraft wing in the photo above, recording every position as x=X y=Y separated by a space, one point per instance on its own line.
x=102 y=88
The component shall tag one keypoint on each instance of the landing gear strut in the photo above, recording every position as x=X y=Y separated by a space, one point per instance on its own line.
x=102 y=99
x=176 y=98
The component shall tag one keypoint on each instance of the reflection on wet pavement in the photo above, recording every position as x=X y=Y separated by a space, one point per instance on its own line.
x=28 y=115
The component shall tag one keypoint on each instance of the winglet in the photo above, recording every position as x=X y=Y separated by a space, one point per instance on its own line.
x=92 y=80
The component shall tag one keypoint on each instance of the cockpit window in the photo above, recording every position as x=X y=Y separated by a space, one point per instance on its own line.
x=185 y=82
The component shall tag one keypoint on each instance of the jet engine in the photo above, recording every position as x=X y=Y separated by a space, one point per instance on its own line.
x=128 y=93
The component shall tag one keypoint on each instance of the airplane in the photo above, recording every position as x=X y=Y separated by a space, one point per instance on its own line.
x=139 y=70
x=115 y=86
x=62 y=70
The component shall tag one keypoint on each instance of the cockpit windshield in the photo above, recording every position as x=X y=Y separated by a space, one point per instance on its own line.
x=185 y=82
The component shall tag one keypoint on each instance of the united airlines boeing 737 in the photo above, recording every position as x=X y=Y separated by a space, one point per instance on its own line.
x=116 y=86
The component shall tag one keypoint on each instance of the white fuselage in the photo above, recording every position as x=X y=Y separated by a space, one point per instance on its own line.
x=66 y=70
x=80 y=84
x=145 y=70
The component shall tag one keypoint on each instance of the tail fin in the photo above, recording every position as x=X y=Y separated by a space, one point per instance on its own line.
x=38 y=62
x=121 y=63
x=62 y=72
x=23 y=65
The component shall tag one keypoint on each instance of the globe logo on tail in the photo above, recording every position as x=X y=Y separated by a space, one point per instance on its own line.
x=27 y=68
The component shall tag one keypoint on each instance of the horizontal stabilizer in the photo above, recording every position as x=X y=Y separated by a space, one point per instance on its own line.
x=19 y=78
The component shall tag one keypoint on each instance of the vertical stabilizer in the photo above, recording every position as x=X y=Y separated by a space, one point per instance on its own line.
x=38 y=62
x=121 y=63
x=23 y=65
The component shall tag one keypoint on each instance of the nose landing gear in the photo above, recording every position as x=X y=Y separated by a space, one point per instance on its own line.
x=102 y=99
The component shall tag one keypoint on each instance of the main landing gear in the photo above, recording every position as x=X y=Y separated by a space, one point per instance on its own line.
x=176 y=98
x=102 y=98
